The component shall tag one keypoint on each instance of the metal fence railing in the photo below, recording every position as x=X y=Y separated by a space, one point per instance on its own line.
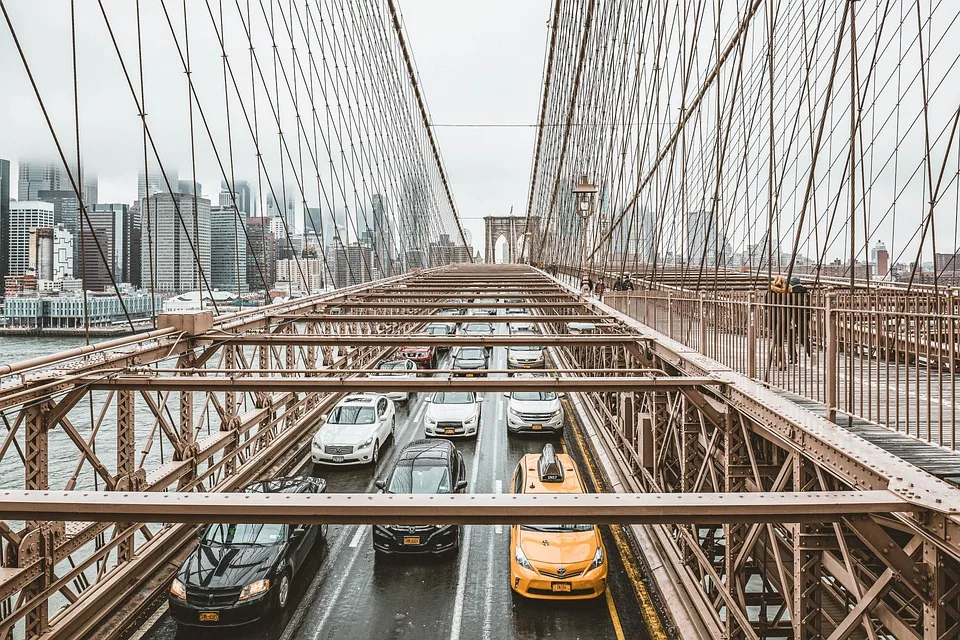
x=888 y=358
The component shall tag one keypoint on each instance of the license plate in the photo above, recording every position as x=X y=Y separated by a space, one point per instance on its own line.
x=537 y=427
x=448 y=432
x=526 y=366
x=412 y=540
x=338 y=458
x=469 y=375
x=560 y=587
x=209 y=616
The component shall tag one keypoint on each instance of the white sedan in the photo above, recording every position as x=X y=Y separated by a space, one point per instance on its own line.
x=453 y=413
x=401 y=368
x=355 y=430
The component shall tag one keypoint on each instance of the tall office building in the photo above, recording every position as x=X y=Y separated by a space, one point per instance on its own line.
x=351 y=264
x=702 y=242
x=122 y=224
x=23 y=217
x=173 y=266
x=36 y=176
x=4 y=218
x=189 y=188
x=243 y=194
x=156 y=182
x=383 y=243
x=262 y=254
x=228 y=250
x=51 y=253
x=289 y=212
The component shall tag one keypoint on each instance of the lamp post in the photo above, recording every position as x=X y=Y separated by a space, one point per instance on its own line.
x=584 y=193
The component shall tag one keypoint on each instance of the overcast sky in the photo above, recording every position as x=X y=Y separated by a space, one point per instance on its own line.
x=479 y=63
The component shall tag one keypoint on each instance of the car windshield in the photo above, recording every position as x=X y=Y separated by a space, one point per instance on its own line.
x=532 y=396
x=393 y=365
x=438 y=329
x=454 y=397
x=234 y=534
x=419 y=477
x=520 y=348
x=470 y=353
x=352 y=415
x=557 y=528
x=478 y=327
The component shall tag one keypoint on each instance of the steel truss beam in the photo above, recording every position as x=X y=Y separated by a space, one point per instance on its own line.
x=341 y=508
x=419 y=340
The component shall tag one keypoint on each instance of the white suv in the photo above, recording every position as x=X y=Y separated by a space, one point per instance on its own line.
x=355 y=430
x=400 y=368
x=453 y=413
x=534 y=411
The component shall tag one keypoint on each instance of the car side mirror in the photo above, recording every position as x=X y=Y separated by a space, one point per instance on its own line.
x=381 y=484
x=324 y=416
x=461 y=485
x=296 y=532
x=562 y=394
x=506 y=394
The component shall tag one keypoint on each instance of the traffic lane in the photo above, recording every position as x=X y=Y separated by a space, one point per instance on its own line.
x=324 y=558
x=367 y=597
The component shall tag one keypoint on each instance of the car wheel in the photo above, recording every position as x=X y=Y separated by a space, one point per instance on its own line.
x=376 y=452
x=283 y=591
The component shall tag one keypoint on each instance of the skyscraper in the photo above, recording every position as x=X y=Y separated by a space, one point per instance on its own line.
x=262 y=254
x=154 y=182
x=4 y=218
x=177 y=241
x=123 y=225
x=228 y=250
x=51 y=253
x=382 y=236
x=23 y=216
x=289 y=212
x=36 y=176
x=702 y=239
x=243 y=194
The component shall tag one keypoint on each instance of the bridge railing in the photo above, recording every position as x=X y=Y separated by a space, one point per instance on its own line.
x=888 y=358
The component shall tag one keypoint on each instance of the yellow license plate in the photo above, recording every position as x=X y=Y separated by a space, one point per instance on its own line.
x=537 y=427
x=560 y=587
x=412 y=540
x=209 y=616
x=469 y=375
x=448 y=432
x=526 y=366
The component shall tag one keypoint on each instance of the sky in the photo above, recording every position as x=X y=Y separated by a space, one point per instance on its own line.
x=478 y=63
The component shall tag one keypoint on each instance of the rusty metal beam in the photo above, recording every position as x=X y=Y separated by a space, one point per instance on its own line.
x=341 y=508
x=383 y=385
x=366 y=340
x=426 y=317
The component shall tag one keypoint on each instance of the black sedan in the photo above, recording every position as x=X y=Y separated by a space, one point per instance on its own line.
x=423 y=467
x=240 y=573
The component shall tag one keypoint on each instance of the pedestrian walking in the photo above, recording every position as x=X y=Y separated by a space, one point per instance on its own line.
x=799 y=323
x=777 y=320
x=618 y=285
x=599 y=289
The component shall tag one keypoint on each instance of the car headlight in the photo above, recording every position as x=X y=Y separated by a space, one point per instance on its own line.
x=514 y=412
x=597 y=559
x=254 y=589
x=177 y=590
x=431 y=420
x=470 y=420
x=366 y=443
x=521 y=558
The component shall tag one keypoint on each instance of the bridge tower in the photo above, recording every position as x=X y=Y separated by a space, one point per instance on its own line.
x=517 y=233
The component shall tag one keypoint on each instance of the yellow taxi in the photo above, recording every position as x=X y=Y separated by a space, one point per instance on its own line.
x=554 y=561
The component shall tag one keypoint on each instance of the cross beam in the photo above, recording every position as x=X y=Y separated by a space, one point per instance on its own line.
x=341 y=508
x=279 y=339
x=420 y=317
x=385 y=384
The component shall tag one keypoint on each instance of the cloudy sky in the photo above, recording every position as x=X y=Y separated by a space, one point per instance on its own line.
x=479 y=63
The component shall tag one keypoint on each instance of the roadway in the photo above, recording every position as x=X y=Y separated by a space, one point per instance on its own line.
x=343 y=591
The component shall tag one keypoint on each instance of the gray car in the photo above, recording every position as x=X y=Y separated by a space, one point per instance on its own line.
x=470 y=362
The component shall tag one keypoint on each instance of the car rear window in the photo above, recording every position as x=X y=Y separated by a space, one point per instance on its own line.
x=471 y=353
x=414 y=477
x=236 y=534
x=392 y=365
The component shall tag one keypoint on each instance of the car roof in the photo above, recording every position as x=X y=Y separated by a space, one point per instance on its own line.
x=292 y=484
x=359 y=399
x=533 y=484
x=427 y=449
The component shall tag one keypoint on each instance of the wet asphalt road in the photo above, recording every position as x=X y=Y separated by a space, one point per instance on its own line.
x=342 y=591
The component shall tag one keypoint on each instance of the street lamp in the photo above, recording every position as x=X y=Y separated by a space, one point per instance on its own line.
x=584 y=194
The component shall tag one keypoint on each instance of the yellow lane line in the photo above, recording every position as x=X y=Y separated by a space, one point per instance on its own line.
x=617 y=627
x=648 y=610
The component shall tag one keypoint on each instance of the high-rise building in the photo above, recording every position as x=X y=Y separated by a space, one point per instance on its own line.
x=351 y=264
x=262 y=254
x=304 y=275
x=122 y=224
x=881 y=259
x=156 y=182
x=24 y=216
x=180 y=234
x=702 y=242
x=243 y=194
x=36 y=176
x=383 y=243
x=228 y=250
x=51 y=253
x=189 y=188
x=4 y=218
x=272 y=209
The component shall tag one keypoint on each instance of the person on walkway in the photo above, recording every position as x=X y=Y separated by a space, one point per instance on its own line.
x=586 y=286
x=627 y=283
x=799 y=326
x=777 y=320
x=590 y=285
x=599 y=289
x=618 y=285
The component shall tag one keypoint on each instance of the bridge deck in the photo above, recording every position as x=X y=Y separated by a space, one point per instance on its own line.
x=937 y=461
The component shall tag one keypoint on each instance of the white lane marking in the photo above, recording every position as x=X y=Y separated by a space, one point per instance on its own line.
x=334 y=555
x=488 y=590
x=149 y=622
x=498 y=488
x=465 y=549
x=357 y=536
x=341 y=583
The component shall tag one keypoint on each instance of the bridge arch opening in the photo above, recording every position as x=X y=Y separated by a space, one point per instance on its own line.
x=501 y=250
